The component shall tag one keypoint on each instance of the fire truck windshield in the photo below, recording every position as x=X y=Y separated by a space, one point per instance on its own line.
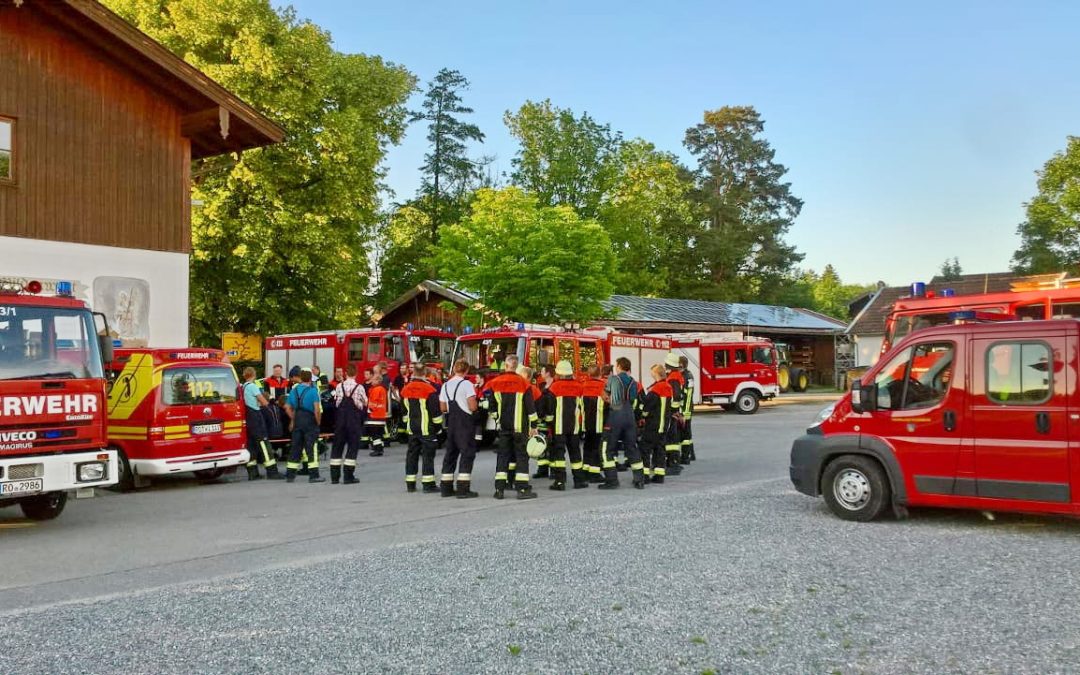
x=208 y=384
x=483 y=352
x=47 y=342
x=432 y=349
x=906 y=324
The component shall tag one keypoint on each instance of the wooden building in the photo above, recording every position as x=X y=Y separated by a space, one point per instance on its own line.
x=429 y=303
x=98 y=127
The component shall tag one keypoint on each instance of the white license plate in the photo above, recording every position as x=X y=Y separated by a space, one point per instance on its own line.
x=22 y=487
x=199 y=429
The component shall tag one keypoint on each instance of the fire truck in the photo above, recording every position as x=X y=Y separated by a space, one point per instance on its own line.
x=52 y=399
x=1044 y=297
x=535 y=346
x=173 y=411
x=364 y=347
x=729 y=369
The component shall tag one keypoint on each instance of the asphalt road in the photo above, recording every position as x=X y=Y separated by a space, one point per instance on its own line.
x=724 y=569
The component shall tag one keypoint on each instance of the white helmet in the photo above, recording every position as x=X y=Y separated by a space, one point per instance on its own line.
x=536 y=446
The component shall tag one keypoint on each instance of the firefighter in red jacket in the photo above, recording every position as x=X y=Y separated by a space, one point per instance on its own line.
x=422 y=415
x=276 y=385
x=656 y=420
x=516 y=421
x=378 y=412
x=593 y=422
x=673 y=443
x=565 y=396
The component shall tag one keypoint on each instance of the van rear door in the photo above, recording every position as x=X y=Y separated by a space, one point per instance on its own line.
x=1020 y=411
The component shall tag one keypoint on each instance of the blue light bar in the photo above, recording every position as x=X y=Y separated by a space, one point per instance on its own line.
x=965 y=315
x=520 y=325
x=918 y=289
x=65 y=289
x=467 y=330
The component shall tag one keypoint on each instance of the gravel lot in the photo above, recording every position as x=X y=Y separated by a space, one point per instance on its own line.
x=747 y=578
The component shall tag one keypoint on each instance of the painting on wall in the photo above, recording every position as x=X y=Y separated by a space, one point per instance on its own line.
x=125 y=302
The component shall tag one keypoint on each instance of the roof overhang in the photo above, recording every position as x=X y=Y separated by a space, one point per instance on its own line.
x=214 y=119
x=426 y=288
x=675 y=326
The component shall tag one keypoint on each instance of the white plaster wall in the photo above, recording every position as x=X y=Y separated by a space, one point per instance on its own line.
x=166 y=274
x=868 y=349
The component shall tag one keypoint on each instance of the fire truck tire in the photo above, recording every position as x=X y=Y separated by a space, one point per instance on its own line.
x=126 y=479
x=209 y=474
x=800 y=380
x=44 y=507
x=855 y=487
x=783 y=378
x=747 y=403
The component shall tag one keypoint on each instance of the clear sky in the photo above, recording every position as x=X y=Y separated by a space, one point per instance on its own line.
x=912 y=130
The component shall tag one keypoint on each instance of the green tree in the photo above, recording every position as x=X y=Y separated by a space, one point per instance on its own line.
x=280 y=238
x=402 y=254
x=1050 y=237
x=564 y=160
x=447 y=171
x=528 y=262
x=951 y=270
x=746 y=206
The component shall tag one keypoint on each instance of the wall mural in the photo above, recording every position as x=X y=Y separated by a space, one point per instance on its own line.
x=125 y=302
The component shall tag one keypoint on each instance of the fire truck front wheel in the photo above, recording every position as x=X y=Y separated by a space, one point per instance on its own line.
x=44 y=507
x=747 y=402
x=126 y=479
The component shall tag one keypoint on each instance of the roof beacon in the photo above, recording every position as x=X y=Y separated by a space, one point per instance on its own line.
x=948 y=293
x=918 y=289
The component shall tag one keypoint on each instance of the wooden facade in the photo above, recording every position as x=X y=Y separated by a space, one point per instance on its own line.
x=106 y=125
x=423 y=305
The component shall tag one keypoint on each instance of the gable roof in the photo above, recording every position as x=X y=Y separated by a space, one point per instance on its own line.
x=215 y=120
x=635 y=312
x=426 y=287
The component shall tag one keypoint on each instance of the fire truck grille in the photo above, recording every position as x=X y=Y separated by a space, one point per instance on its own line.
x=21 y=471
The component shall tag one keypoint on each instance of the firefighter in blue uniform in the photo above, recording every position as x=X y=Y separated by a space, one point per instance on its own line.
x=304 y=408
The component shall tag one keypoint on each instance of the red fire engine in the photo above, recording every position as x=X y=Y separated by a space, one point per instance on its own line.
x=534 y=346
x=173 y=411
x=362 y=347
x=52 y=400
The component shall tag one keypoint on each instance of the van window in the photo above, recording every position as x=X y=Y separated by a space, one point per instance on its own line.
x=356 y=349
x=762 y=355
x=720 y=358
x=372 y=349
x=393 y=348
x=566 y=350
x=740 y=355
x=537 y=345
x=917 y=377
x=589 y=354
x=194 y=386
x=1031 y=312
x=1018 y=373
x=1066 y=310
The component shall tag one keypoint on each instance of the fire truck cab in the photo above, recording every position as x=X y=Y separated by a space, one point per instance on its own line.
x=969 y=415
x=173 y=411
x=52 y=400
x=534 y=345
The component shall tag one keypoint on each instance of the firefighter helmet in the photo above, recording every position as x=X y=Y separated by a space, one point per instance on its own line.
x=536 y=446
x=564 y=368
x=671 y=360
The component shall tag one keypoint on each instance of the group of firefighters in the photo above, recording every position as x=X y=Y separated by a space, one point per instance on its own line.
x=575 y=428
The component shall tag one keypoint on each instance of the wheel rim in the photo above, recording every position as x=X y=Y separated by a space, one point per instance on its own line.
x=851 y=488
x=746 y=403
x=783 y=378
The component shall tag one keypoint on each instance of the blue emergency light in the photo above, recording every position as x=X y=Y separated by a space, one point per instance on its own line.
x=520 y=326
x=918 y=289
x=964 y=315
x=467 y=330
x=408 y=326
x=65 y=289
x=948 y=293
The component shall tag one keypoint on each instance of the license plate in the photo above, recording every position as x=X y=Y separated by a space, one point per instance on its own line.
x=199 y=429
x=22 y=487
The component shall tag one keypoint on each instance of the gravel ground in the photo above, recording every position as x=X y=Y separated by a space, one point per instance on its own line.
x=751 y=578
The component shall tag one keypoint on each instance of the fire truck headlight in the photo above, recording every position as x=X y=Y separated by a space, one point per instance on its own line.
x=90 y=472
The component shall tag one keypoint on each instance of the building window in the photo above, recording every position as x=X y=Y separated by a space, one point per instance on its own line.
x=7 y=150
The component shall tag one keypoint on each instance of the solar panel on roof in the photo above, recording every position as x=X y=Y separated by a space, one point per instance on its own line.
x=634 y=308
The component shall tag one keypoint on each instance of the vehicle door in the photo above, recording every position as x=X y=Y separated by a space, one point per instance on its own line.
x=589 y=356
x=1020 y=411
x=764 y=359
x=355 y=355
x=919 y=416
x=716 y=375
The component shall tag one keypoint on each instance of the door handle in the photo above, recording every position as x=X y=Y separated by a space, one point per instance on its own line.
x=949 y=418
x=1042 y=422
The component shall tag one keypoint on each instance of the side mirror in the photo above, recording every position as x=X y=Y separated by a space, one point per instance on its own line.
x=544 y=358
x=106 y=348
x=863 y=397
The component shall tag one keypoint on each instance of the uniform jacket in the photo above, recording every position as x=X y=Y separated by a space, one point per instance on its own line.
x=566 y=402
x=422 y=412
x=593 y=407
x=378 y=403
x=658 y=409
x=515 y=407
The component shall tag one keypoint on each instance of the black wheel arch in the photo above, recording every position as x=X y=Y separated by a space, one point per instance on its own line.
x=858 y=444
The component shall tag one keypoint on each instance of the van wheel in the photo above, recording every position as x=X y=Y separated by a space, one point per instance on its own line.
x=209 y=474
x=44 y=507
x=125 y=477
x=747 y=403
x=783 y=378
x=855 y=488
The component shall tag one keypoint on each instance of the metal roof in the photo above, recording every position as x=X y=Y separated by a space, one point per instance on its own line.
x=630 y=309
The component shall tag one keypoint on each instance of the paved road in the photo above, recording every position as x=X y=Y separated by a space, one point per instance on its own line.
x=724 y=570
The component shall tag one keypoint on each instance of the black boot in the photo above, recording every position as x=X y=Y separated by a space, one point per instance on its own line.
x=290 y=475
x=335 y=475
x=313 y=476
x=685 y=458
x=609 y=484
x=430 y=488
x=304 y=471
x=658 y=479
x=410 y=486
x=674 y=468
x=446 y=488
x=272 y=472
x=542 y=471
x=581 y=480
x=498 y=492
x=595 y=477
x=253 y=473
x=463 y=491
x=350 y=476
x=639 y=480
x=526 y=492
x=557 y=484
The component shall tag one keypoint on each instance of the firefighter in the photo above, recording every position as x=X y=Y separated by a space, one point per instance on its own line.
x=564 y=398
x=305 y=410
x=673 y=444
x=593 y=418
x=656 y=419
x=378 y=412
x=320 y=380
x=422 y=415
x=544 y=409
x=620 y=392
x=350 y=400
x=516 y=421
x=339 y=377
x=687 y=437
x=457 y=400
x=276 y=385
x=258 y=442
x=483 y=403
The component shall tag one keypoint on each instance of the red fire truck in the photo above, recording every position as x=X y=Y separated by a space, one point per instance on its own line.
x=52 y=400
x=362 y=347
x=966 y=415
x=925 y=307
x=174 y=411
x=534 y=346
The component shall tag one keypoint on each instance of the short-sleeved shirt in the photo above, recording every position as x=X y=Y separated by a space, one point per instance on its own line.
x=460 y=389
x=621 y=389
x=304 y=397
x=252 y=392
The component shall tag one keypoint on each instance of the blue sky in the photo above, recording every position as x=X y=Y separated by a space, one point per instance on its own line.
x=911 y=130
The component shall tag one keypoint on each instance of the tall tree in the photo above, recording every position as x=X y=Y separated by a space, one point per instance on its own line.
x=528 y=262
x=447 y=170
x=564 y=160
x=280 y=239
x=1050 y=237
x=403 y=253
x=951 y=270
x=746 y=206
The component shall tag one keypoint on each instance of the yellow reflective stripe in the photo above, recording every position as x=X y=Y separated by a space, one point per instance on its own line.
x=559 y=464
x=425 y=420
x=176 y=437
x=175 y=429
x=576 y=465
x=447 y=477
x=500 y=475
x=292 y=465
x=637 y=466
x=663 y=414
x=520 y=478
x=519 y=412
x=410 y=478
x=428 y=479
x=350 y=462
x=559 y=415
x=464 y=477
x=336 y=462
x=125 y=429
x=660 y=471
